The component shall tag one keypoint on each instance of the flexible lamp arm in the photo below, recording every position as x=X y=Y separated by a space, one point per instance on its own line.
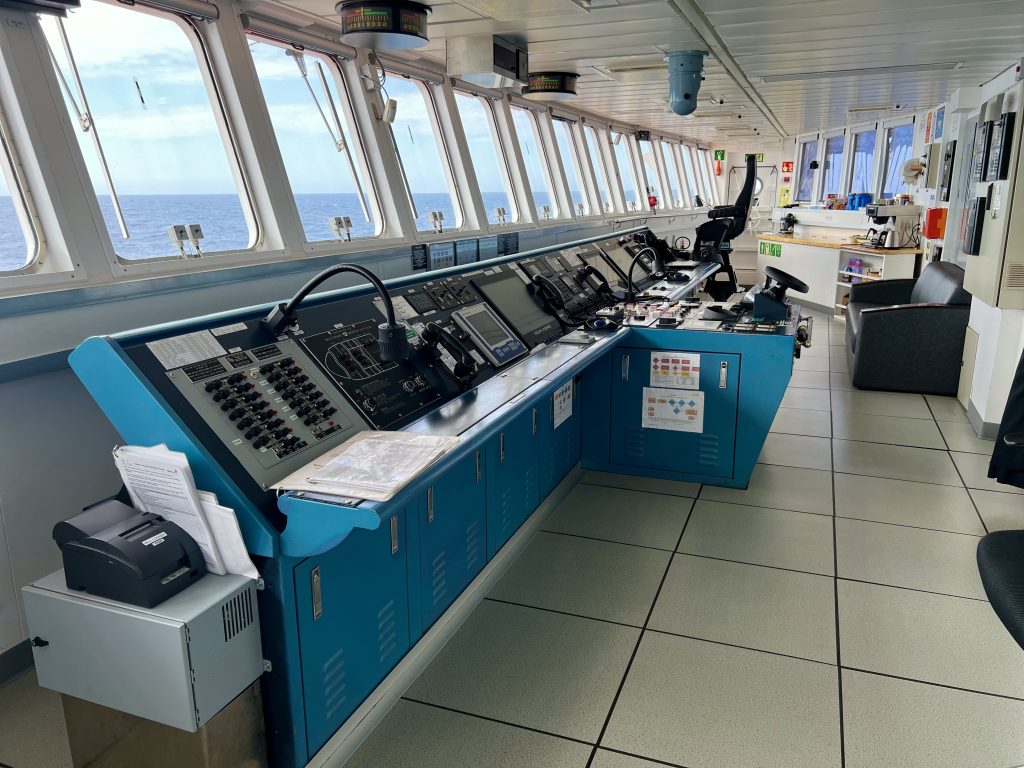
x=391 y=335
x=629 y=276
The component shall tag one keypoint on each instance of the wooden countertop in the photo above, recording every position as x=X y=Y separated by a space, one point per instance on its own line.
x=834 y=242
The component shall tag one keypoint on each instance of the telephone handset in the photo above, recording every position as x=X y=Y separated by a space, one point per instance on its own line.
x=593 y=277
x=464 y=366
x=548 y=292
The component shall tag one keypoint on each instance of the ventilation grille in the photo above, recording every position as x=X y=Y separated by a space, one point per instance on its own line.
x=634 y=443
x=387 y=631
x=439 y=578
x=707 y=451
x=1014 y=276
x=513 y=10
x=335 y=678
x=474 y=548
x=236 y=614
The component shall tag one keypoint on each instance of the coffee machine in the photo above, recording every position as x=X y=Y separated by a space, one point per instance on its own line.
x=786 y=224
x=898 y=224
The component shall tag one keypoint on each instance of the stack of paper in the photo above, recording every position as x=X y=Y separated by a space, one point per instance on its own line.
x=160 y=481
x=371 y=465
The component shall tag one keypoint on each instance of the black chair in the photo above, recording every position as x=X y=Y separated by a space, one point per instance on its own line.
x=908 y=335
x=713 y=237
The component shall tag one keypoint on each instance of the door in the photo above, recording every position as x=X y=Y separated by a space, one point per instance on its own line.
x=353 y=623
x=513 y=479
x=453 y=536
x=709 y=449
x=559 y=443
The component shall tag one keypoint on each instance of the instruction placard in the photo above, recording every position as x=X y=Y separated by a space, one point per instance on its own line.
x=677 y=410
x=180 y=351
x=562 y=406
x=678 y=370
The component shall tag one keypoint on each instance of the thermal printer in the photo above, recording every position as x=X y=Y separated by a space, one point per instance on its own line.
x=112 y=550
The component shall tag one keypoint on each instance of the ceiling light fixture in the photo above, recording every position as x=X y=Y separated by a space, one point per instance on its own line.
x=897 y=70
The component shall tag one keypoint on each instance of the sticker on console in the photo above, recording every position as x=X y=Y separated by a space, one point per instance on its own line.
x=678 y=370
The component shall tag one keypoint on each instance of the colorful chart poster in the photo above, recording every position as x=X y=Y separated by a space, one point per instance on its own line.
x=679 y=370
x=562 y=407
x=673 y=409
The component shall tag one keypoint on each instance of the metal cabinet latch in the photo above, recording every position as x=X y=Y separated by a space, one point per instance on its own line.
x=430 y=504
x=501 y=448
x=315 y=589
x=625 y=367
x=723 y=375
x=394 y=534
x=535 y=421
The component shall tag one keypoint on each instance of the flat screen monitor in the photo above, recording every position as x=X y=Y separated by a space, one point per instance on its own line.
x=507 y=293
x=621 y=258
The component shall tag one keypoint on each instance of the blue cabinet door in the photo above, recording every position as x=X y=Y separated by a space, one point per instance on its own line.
x=710 y=452
x=513 y=479
x=353 y=623
x=559 y=446
x=452 y=536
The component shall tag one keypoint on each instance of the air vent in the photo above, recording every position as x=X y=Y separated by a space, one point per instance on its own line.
x=236 y=614
x=1014 y=276
x=514 y=10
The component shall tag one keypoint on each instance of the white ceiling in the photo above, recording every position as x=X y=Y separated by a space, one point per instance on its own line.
x=748 y=39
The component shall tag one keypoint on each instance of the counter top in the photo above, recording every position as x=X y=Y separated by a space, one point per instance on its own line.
x=834 y=242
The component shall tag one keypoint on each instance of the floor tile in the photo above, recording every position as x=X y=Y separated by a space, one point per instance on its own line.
x=810 y=399
x=796 y=421
x=419 y=735
x=797 y=451
x=935 y=561
x=960 y=436
x=924 y=505
x=1000 y=511
x=795 y=540
x=974 y=469
x=534 y=668
x=946 y=408
x=902 y=724
x=881 y=404
x=893 y=430
x=636 y=483
x=933 y=638
x=801 y=490
x=808 y=363
x=765 y=608
x=894 y=461
x=838 y=363
x=809 y=379
x=613 y=582
x=840 y=380
x=32 y=727
x=699 y=704
x=606 y=759
x=629 y=517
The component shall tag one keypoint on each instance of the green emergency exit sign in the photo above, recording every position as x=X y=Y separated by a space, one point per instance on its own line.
x=759 y=157
x=766 y=248
x=719 y=154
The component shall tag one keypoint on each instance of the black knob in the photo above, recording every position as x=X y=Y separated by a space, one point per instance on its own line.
x=265 y=369
x=252 y=433
x=307 y=387
x=293 y=403
x=244 y=423
x=212 y=385
x=330 y=411
x=261 y=405
x=228 y=404
x=260 y=442
x=219 y=395
x=323 y=403
x=236 y=414
x=309 y=421
x=38 y=642
x=316 y=394
x=301 y=378
x=287 y=362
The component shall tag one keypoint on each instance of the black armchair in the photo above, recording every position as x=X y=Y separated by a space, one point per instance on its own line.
x=908 y=335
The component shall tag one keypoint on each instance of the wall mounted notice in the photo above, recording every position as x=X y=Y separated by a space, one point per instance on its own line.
x=677 y=410
x=562 y=405
x=680 y=370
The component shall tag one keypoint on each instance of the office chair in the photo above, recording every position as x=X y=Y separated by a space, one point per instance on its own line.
x=712 y=242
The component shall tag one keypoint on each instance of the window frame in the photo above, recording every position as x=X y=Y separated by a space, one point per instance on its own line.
x=167 y=265
x=884 y=127
x=488 y=104
x=665 y=146
x=628 y=149
x=601 y=143
x=852 y=132
x=822 y=150
x=571 y=128
x=714 y=198
x=533 y=117
x=22 y=202
x=802 y=140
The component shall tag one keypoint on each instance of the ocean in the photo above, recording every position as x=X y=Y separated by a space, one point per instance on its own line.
x=222 y=220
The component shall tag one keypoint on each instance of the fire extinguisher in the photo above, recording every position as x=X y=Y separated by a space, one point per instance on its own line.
x=718 y=167
x=652 y=199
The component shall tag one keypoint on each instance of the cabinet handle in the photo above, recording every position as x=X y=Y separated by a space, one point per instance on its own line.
x=394 y=534
x=501 y=448
x=314 y=584
x=625 y=367
x=535 y=421
x=478 y=466
x=430 y=504
x=723 y=376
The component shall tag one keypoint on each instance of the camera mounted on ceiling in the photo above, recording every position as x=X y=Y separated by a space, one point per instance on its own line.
x=685 y=73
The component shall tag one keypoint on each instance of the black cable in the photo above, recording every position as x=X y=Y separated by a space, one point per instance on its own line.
x=630 y=295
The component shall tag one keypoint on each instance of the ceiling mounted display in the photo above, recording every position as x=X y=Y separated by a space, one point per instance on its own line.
x=551 y=86
x=383 y=24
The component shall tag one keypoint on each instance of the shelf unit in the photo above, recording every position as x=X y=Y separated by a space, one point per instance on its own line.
x=875 y=266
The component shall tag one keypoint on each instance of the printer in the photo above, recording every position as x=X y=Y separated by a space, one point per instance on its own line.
x=112 y=550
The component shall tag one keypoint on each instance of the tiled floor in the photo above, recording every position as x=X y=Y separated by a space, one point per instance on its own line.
x=829 y=616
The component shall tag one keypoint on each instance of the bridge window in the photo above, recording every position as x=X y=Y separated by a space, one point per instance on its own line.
x=420 y=151
x=488 y=158
x=151 y=137
x=899 y=143
x=630 y=186
x=312 y=122
x=863 y=162
x=808 y=153
x=672 y=174
x=565 y=140
x=604 y=194
x=691 y=178
x=651 y=172
x=707 y=175
x=533 y=158
x=19 y=243
x=833 y=166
